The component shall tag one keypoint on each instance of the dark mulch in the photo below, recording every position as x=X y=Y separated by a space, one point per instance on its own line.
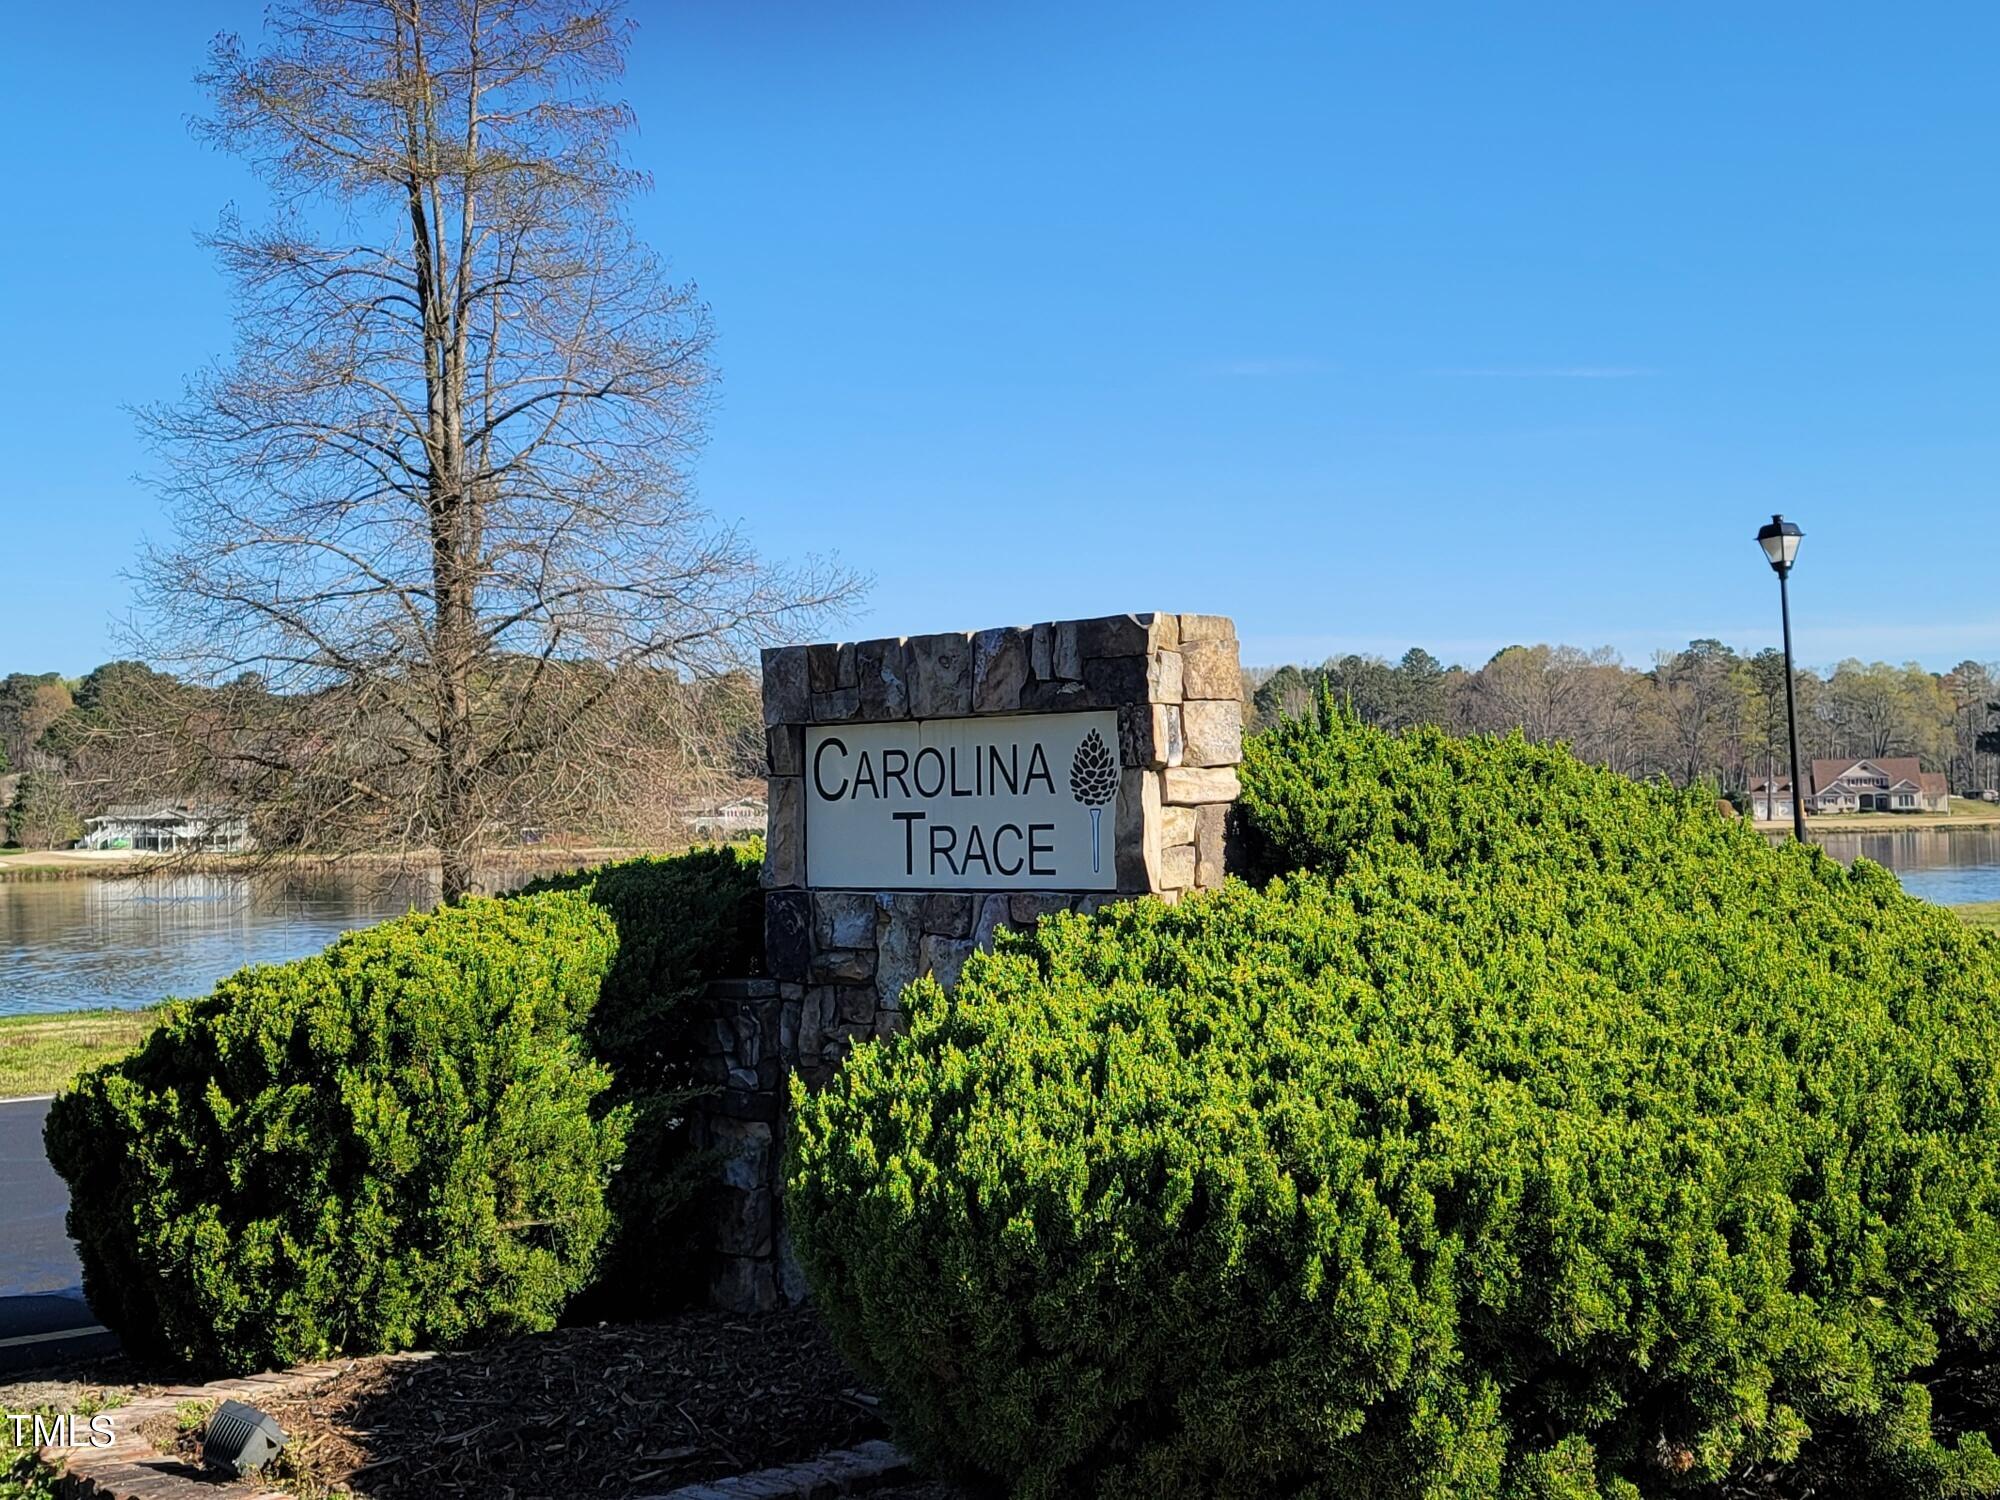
x=613 y=1410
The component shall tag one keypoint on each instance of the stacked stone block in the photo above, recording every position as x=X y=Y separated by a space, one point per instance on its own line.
x=738 y=1124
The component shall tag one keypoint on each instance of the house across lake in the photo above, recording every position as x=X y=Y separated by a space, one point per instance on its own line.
x=1891 y=784
x=167 y=828
x=1895 y=783
x=737 y=818
x=1771 y=800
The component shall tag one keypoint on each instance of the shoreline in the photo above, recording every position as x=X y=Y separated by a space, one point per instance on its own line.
x=109 y=864
x=1882 y=822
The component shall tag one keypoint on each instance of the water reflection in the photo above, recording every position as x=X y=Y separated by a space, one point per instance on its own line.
x=1947 y=865
x=69 y=944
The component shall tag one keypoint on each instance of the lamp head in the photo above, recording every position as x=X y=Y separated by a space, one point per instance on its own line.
x=1780 y=541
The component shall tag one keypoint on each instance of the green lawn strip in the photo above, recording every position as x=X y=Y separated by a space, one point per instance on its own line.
x=1980 y=913
x=40 y=1054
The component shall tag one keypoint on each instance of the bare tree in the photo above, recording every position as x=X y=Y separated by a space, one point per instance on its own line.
x=1699 y=699
x=1547 y=692
x=1767 y=745
x=437 y=502
x=1970 y=688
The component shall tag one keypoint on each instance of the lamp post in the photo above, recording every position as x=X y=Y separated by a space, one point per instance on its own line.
x=1780 y=541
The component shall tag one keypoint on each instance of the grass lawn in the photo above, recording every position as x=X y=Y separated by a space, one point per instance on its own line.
x=51 y=864
x=40 y=1054
x=1965 y=812
x=1981 y=914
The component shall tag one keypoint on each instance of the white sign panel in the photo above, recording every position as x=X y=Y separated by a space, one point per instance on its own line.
x=1024 y=801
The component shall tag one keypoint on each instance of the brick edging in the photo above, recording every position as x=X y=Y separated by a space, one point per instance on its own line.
x=845 y=1471
x=131 y=1468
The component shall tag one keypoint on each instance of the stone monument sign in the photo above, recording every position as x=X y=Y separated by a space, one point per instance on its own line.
x=925 y=792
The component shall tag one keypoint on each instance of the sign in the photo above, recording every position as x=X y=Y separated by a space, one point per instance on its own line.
x=1016 y=802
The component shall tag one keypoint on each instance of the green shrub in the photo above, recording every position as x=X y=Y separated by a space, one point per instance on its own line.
x=387 y=1145
x=1550 y=1136
x=682 y=920
x=1321 y=793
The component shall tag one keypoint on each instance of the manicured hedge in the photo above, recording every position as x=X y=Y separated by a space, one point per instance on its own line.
x=682 y=920
x=445 y=1127
x=1548 y=1136
x=388 y=1145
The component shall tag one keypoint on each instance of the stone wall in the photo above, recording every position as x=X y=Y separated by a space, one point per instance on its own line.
x=838 y=960
x=739 y=1123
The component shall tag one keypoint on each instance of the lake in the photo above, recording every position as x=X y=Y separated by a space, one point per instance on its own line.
x=1947 y=865
x=73 y=944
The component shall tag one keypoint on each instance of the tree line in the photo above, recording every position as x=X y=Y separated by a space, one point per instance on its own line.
x=1705 y=713
x=125 y=733
x=71 y=748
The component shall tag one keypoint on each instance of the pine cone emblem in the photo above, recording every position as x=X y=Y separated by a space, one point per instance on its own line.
x=1093 y=781
x=1093 y=775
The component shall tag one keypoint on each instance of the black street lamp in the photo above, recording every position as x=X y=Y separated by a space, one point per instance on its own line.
x=1780 y=541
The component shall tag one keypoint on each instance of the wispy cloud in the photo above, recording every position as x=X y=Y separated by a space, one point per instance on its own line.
x=1268 y=367
x=1550 y=372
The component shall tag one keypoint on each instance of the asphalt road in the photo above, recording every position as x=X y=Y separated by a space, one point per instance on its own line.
x=43 y=1317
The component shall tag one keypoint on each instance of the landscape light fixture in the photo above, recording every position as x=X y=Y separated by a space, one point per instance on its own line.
x=1780 y=541
x=241 y=1438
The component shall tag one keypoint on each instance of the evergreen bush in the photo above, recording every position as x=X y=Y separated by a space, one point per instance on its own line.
x=387 y=1145
x=1543 y=1135
x=682 y=920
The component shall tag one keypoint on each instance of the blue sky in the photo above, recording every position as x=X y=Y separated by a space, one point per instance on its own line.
x=1458 y=324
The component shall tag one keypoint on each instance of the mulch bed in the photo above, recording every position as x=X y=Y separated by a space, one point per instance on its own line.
x=613 y=1410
